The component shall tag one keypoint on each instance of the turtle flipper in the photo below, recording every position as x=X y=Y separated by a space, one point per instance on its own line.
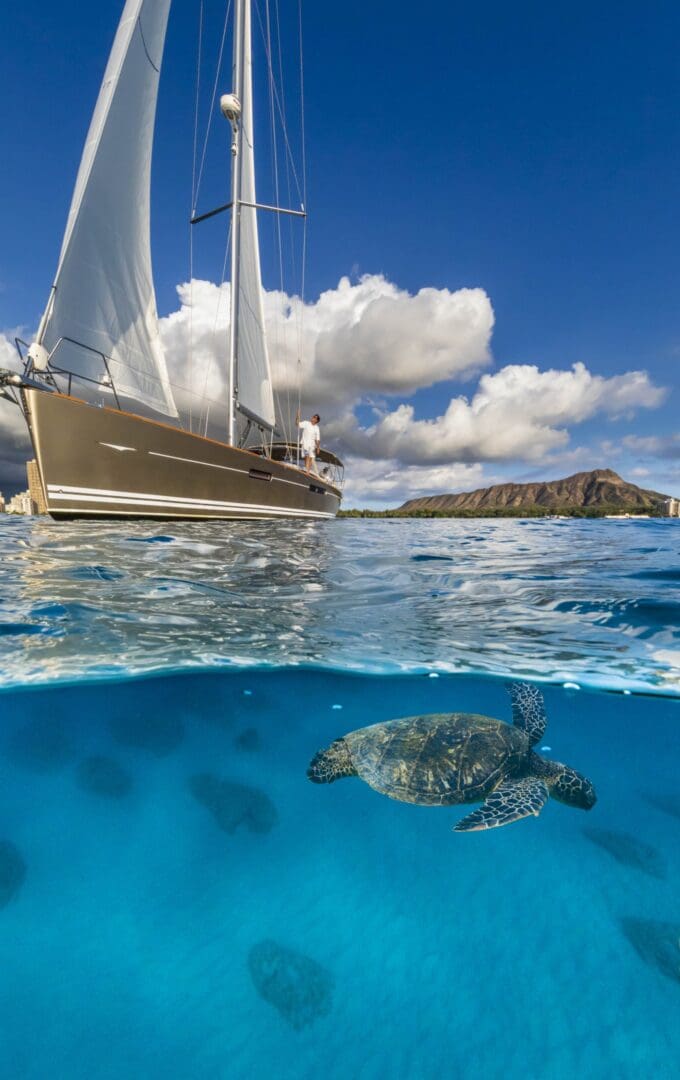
x=511 y=801
x=528 y=710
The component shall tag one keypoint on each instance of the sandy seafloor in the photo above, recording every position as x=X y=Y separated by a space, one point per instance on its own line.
x=125 y=948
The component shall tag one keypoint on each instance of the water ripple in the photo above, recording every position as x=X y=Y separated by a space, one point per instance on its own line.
x=558 y=600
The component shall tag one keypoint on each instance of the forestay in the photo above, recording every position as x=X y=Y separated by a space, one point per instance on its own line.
x=103 y=295
x=253 y=372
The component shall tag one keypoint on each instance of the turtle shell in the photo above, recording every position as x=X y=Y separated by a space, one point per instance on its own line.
x=440 y=759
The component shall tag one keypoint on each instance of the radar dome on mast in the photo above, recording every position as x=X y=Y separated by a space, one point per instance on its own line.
x=231 y=108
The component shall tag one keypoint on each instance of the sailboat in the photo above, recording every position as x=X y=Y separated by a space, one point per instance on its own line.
x=95 y=391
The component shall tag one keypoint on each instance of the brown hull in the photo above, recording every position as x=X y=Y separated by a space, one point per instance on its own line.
x=100 y=462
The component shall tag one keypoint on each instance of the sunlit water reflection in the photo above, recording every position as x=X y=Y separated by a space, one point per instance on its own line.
x=593 y=602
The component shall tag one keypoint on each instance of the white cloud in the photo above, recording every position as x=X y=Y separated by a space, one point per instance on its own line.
x=356 y=339
x=377 y=338
x=371 y=343
x=519 y=412
x=391 y=483
x=667 y=446
x=372 y=338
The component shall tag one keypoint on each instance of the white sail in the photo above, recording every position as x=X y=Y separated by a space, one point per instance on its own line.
x=254 y=385
x=103 y=295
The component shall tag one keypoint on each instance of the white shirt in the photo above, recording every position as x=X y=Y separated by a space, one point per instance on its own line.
x=310 y=437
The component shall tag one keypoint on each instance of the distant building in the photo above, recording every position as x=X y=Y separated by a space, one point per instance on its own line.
x=35 y=488
x=20 y=504
x=31 y=501
x=672 y=507
x=2 y=503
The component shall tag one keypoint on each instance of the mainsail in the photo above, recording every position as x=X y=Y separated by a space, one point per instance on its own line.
x=103 y=296
x=253 y=376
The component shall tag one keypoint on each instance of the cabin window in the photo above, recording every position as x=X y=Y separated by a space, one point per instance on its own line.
x=259 y=474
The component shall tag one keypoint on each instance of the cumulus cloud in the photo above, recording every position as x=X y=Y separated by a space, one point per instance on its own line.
x=371 y=339
x=370 y=343
x=667 y=447
x=356 y=339
x=380 y=339
x=389 y=482
x=519 y=412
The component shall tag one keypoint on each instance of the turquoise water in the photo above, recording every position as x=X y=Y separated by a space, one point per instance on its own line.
x=177 y=900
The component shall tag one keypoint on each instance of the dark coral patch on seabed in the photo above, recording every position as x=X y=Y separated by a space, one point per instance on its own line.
x=12 y=871
x=655 y=942
x=103 y=776
x=248 y=740
x=297 y=986
x=232 y=804
x=42 y=745
x=628 y=850
x=668 y=804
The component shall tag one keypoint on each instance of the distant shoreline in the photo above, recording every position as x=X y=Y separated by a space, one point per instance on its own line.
x=600 y=493
x=512 y=512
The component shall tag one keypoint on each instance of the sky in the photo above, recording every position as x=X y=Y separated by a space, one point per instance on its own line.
x=493 y=255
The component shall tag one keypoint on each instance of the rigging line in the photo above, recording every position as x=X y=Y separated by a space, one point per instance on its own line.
x=196 y=104
x=275 y=168
x=282 y=118
x=211 y=362
x=283 y=97
x=301 y=316
x=278 y=96
x=193 y=208
x=172 y=383
x=303 y=268
x=212 y=101
x=286 y=363
x=290 y=369
x=302 y=106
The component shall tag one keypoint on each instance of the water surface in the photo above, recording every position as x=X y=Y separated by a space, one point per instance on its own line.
x=596 y=602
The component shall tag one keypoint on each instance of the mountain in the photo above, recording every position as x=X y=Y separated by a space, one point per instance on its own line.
x=600 y=490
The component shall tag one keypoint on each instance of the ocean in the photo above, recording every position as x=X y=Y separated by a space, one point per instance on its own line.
x=178 y=900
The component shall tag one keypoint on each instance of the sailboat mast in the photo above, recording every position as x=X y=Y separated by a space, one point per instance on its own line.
x=249 y=374
x=237 y=140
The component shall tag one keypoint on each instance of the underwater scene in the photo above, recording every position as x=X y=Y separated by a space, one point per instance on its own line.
x=178 y=899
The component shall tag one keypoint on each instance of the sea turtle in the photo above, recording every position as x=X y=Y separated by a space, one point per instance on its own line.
x=448 y=758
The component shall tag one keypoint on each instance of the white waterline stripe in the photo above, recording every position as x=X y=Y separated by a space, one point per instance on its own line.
x=146 y=496
x=215 y=508
x=235 y=515
x=65 y=492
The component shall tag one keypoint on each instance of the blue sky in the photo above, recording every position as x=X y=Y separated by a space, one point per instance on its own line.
x=531 y=151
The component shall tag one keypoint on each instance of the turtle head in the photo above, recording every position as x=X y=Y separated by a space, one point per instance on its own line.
x=331 y=764
x=568 y=786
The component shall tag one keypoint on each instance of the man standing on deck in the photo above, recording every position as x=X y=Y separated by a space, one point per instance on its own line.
x=310 y=440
